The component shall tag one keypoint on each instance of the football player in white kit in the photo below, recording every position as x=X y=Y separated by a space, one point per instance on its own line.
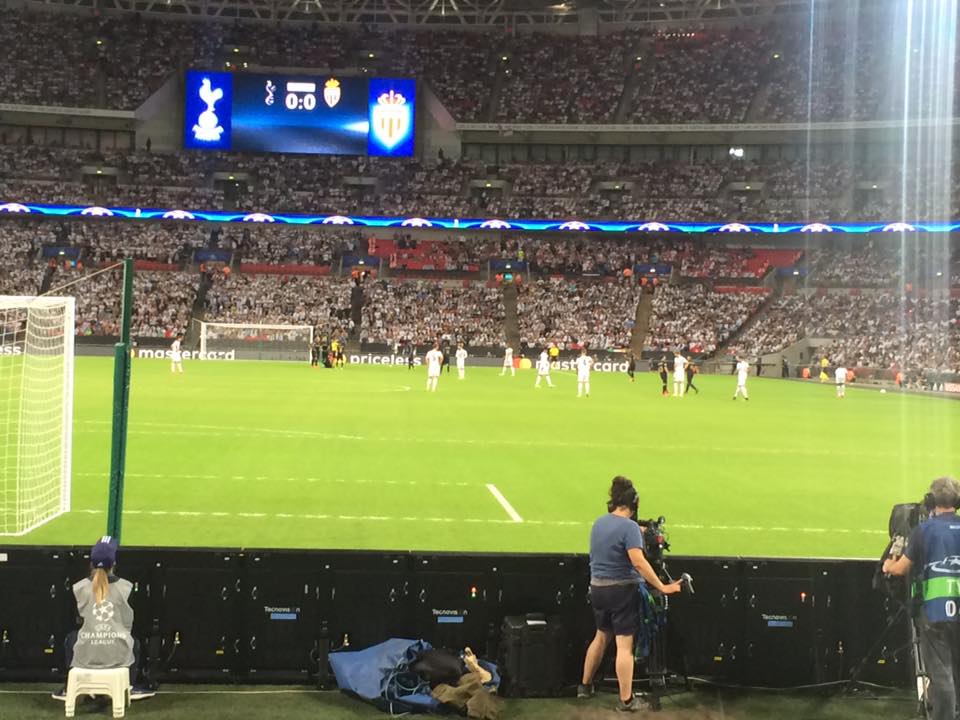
x=543 y=369
x=679 y=373
x=743 y=370
x=434 y=363
x=508 y=362
x=584 y=363
x=461 y=356
x=841 y=377
x=176 y=358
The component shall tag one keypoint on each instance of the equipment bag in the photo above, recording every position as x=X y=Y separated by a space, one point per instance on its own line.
x=532 y=650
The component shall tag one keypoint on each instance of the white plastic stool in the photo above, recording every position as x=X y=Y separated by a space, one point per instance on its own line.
x=114 y=682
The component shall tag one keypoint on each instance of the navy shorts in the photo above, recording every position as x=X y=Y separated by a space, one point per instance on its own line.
x=616 y=608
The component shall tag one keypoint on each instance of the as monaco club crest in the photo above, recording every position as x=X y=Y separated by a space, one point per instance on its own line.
x=331 y=92
x=391 y=119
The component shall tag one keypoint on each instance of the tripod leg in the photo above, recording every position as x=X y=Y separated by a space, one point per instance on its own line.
x=862 y=665
x=919 y=672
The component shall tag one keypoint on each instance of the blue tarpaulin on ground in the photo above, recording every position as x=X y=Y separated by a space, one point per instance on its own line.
x=381 y=673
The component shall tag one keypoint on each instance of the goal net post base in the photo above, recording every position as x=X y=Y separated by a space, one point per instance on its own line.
x=238 y=341
x=36 y=410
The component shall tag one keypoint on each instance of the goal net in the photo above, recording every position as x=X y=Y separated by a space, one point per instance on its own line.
x=229 y=341
x=36 y=410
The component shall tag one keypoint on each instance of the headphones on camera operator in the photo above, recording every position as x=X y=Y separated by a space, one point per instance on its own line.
x=629 y=498
x=930 y=502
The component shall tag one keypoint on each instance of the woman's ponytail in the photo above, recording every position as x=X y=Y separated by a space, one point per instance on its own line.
x=101 y=584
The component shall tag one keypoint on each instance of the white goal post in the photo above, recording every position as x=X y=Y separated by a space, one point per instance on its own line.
x=253 y=341
x=36 y=410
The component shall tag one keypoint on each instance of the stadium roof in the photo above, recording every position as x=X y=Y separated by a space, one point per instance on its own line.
x=470 y=13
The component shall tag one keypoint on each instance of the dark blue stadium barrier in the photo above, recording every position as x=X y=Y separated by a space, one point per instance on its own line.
x=658 y=269
x=500 y=266
x=257 y=616
x=202 y=255
x=61 y=252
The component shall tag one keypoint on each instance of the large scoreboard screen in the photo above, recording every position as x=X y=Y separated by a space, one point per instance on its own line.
x=299 y=114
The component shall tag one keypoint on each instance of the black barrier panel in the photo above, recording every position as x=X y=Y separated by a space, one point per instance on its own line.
x=200 y=619
x=36 y=613
x=450 y=600
x=874 y=637
x=554 y=586
x=368 y=599
x=784 y=641
x=280 y=624
x=707 y=629
x=274 y=615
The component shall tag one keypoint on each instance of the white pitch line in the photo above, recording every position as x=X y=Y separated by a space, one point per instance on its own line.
x=225 y=431
x=265 y=478
x=447 y=520
x=504 y=503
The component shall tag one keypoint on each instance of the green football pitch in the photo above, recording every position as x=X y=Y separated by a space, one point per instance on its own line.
x=252 y=454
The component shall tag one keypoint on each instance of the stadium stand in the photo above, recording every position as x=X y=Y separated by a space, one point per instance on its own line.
x=278 y=300
x=668 y=77
x=599 y=315
x=696 y=319
x=870 y=329
x=421 y=311
x=162 y=300
x=258 y=245
x=558 y=79
x=700 y=77
x=657 y=191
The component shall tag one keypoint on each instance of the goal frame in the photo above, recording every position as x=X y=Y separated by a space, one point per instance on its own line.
x=9 y=302
x=204 y=324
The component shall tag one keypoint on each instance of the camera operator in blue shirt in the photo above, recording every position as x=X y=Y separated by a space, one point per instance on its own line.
x=933 y=555
x=617 y=568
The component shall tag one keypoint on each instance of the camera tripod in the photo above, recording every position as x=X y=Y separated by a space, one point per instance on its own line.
x=658 y=681
x=919 y=673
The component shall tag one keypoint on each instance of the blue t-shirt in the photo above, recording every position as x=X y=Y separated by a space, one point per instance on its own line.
x=610 y=539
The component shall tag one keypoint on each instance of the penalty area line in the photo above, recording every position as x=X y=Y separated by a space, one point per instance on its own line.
x=504 y=503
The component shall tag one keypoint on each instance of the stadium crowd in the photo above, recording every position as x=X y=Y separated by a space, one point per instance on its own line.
x=663 y=190
x=774 y=190
x=288 y=245
x=112 y=241
x=599 y=315
x=555 y=78
x=18 y=280
x=420 y=311
x=244 y=298
x=590 y=299
x=865 y=267
x=701 y=77
x=696 y=319
x=162 y=301
x=117 y=60
x=879 y=329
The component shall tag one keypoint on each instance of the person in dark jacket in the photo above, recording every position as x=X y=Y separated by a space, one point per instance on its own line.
x=691 y=371
x=663 y=370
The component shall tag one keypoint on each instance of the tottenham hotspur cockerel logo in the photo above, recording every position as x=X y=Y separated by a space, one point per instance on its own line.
x=103 y=612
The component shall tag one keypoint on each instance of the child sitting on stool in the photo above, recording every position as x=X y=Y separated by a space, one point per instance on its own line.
x=104 y=640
